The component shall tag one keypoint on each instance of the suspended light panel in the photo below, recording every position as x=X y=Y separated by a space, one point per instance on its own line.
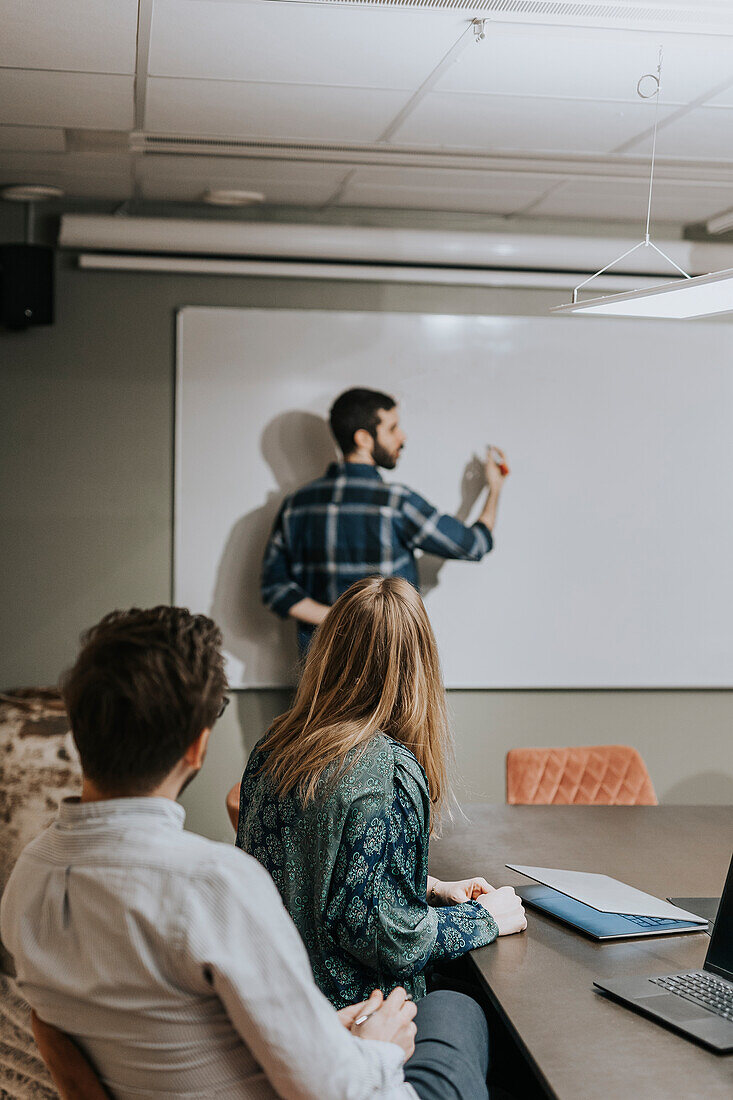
x=701 y=296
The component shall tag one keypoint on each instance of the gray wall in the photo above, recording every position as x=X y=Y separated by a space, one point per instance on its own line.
x=86 y=443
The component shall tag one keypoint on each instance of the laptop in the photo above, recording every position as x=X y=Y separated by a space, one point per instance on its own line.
x=601 y=907
x=696 y=1003
x=704 y=907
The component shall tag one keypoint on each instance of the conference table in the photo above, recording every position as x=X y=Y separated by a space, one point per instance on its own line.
x=580 y=1044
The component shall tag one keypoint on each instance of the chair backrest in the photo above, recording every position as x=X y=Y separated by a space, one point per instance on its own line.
x=595 y=775
x=73 y=1074
x=233 y=805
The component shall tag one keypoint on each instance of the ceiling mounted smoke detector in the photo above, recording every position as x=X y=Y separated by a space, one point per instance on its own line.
x=31 y=192
x=231 y=197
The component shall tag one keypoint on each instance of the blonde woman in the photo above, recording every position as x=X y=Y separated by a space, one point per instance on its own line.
x=339 y=799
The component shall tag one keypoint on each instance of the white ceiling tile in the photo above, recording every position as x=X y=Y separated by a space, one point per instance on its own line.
x=100 y=163
x=445 y=189
x=689 y=204
x=79 y=35
x=724 y=99
x=279 y=192
x=627 y=200
x=29 y=139
x=84 y=175
x=478 y=202
x=461 y=179
x=183 y=178
x=517 y=123
x=79 y=100
x=584 y=64
x=269 y=111
x=704 y=134
x=299 y=44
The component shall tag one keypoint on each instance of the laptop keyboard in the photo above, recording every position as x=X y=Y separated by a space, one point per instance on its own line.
x=704 y=989
x=651 y=922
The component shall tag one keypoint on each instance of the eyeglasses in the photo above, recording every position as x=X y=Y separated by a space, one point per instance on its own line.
x=224 y=704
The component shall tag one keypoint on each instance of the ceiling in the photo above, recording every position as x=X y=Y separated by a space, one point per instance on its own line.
x=385 y=105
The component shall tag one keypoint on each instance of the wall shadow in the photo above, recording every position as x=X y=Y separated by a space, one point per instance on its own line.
x=473 y=482
x=298 y=447
x=705 y=788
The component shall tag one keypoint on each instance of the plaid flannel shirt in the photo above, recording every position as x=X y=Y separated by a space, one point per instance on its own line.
x=351 y=524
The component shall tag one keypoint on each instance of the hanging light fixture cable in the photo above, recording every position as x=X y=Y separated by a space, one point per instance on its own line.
x=647 y=242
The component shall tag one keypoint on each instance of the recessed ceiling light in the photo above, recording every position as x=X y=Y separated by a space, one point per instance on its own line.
x=31 y=192
x=217 y=197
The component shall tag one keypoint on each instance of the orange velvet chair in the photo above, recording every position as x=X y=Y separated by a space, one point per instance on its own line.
x=595 y=775
x=71 y=1072
x=233 y=805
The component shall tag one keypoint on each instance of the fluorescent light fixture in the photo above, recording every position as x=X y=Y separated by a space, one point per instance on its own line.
x=387 y=273
x=701 y=296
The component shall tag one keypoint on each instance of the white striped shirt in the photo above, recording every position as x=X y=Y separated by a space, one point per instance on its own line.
x=172 y=961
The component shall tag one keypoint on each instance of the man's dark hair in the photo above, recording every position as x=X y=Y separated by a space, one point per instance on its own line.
x=357 y=409
x=144 y=686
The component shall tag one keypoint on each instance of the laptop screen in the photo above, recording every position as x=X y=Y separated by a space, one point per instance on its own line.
x=720 y=952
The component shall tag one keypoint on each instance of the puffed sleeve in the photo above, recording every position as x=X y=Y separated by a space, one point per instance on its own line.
x=458 y=928
x=377 y=909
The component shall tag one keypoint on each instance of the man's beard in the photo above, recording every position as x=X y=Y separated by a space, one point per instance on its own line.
x=383 y=457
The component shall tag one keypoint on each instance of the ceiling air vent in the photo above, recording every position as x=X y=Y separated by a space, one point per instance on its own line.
x=709 y=16
x=140 y=142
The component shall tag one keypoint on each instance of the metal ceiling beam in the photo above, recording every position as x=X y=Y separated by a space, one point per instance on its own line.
x=693 y=172
x=142 y=56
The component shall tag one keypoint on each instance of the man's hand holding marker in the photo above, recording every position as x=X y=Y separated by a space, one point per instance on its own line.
x=495 y=456
x=496 y=469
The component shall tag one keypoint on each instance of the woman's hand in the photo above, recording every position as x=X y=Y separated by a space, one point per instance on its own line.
x=504 y=905
x=389 y=1021
x=506 y=908
x=453 y=893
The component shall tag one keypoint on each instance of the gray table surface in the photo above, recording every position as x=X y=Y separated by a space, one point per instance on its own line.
x=583 y=1045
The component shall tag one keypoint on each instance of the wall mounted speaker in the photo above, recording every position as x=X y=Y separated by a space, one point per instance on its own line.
x=26 y=285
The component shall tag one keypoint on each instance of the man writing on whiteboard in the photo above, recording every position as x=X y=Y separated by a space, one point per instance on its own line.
x=350 y=523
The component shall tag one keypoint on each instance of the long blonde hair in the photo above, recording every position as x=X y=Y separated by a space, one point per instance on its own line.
x=372 y=666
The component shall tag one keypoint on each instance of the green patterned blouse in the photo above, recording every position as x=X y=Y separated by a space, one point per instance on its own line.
x=352 y=871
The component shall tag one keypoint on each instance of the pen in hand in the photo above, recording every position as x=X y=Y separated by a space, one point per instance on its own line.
x=365 y=1016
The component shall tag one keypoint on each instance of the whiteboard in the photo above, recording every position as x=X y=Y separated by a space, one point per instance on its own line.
x=612 y=563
